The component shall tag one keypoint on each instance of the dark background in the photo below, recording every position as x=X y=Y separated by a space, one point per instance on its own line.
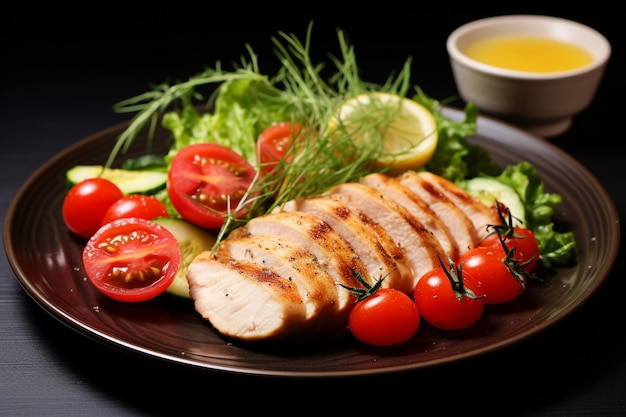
x=127 y=46
x=64 y=67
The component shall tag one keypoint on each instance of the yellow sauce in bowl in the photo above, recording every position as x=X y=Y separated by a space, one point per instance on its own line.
x=529 y=53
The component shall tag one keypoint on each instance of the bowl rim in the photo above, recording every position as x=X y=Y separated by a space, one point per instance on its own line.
x=602 y=55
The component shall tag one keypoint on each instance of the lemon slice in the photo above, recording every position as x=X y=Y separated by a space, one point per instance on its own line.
x=407 y=129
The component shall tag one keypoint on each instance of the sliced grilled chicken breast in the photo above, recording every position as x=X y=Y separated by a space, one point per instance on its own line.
x=284 y=275
x=420 y=246
x=371 y=243
x=316 y=286
x=397 y=192
x=459 y=224
x=480 y=214
x=243 y=300
x=331 y=251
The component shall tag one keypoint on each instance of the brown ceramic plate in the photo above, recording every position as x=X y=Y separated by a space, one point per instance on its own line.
x=47 y=262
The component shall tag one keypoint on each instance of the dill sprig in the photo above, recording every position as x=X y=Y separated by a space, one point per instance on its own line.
x=327 y=156
x=150 y=105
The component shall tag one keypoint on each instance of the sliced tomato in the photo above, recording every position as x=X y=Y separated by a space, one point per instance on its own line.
x=274 y=144
x=132 y=259
x=207 y=181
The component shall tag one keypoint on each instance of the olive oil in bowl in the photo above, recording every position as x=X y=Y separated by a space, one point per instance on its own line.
x=536 y=72
x=529 y=53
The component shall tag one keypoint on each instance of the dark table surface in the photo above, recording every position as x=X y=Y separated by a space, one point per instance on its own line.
x=64 y=69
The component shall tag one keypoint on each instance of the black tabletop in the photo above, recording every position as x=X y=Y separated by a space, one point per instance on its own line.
x=64 y=69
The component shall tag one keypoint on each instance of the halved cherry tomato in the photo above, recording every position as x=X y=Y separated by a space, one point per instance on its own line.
x=385 y=318
x=132 y=259
x=135 y=205
x=86 y=203
x=273 y=144
x=207 y=181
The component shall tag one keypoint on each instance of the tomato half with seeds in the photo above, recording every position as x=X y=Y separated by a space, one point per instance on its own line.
x=274 y=143
x=207 y=181
x=132 y=259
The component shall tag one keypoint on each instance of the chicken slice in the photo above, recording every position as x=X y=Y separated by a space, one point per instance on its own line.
x=289 y=260
x=397 y=192
x=459 y=224
x=243 y=300
x=331 y=251
x=371 y=243
x=420 y=246
x=480 y=214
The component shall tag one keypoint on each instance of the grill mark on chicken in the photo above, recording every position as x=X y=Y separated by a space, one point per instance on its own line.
x=459 y=224
x=243 y=300
x=394 y=190
x=316 y=236
x=291 y=261
x=370 y=242
x=480 y=215
x=391 y=246
x=419 y=245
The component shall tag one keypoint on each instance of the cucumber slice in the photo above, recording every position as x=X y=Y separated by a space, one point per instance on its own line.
x=130 y=182
x=488 y=190
x=192 y=240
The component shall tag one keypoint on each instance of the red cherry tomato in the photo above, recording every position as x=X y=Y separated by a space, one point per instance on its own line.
x=524 y=242
x=274 y=143
x=132 y=259
x=445 y=302
x=485 y=271
x=86 y=203
x=135 y=205
x=387 y=317
x=206 y=181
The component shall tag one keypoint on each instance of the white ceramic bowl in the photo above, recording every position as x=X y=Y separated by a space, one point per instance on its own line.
x=542 y=103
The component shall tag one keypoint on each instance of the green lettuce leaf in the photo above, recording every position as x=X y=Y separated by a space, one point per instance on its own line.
x=557 y=248
x=242 y=109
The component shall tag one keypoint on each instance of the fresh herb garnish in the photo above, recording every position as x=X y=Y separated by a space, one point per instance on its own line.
x=242 y=102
